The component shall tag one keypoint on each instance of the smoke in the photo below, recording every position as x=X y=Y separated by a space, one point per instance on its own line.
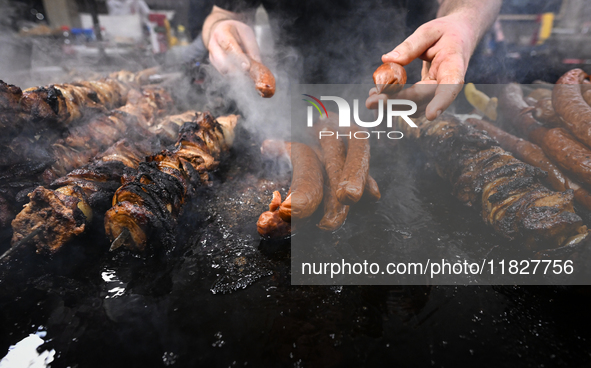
x=328 y=46
x=264 y=117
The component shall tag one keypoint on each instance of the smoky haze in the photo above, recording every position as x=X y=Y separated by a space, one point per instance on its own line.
x=347 y=52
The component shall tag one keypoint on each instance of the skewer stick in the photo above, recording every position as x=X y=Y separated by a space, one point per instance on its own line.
x=6 y=256
x=120 y=240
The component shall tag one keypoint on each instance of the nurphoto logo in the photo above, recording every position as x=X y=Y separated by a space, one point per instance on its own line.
x=344 y=113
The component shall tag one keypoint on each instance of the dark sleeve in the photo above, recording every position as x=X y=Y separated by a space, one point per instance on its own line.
x=237 y=5
x=419 y=13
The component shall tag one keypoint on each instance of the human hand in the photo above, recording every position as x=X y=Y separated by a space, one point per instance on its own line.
x=232 y=46
x=445 y=45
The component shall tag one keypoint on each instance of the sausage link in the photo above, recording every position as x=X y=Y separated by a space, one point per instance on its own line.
x=511 y=102
x=372 y=189
x=568 y=102
x=355 y=172
x=389 y=77
x=307 y=182
x=335 y=213
x=275 y=202
x=270 y=224
x=264 y=81
x=568 y=153
x=586 y=91
x=284 y=210
x=517 y=113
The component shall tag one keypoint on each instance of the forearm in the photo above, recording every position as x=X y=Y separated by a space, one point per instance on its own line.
x=217 y=15
x=479 y=14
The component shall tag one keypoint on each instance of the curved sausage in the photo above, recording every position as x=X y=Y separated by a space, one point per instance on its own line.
x=307 y=178
x=264 y=81
x=568 y=102
x=355 y=172
x=568 y=153
x=525 y=151
x=270 y=224
x=333 y=153
x=517 y=113
x=372 y=189
x=511 y=103
x=389 y=77
x=284 y=209
x=306 y=184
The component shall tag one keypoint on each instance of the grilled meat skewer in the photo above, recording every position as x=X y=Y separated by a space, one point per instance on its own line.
x=85 y=141
x=58 y=105
x=507 y=192
x=80 y=144
x=146 y=207
x=65 y=211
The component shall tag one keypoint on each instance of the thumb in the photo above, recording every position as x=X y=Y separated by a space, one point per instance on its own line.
x=414 y=46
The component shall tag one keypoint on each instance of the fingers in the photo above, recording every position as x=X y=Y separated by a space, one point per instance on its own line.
x=450 y=80
x=227 y=40
x=232 y=46
x=425 y=70
x=219 y=59
x=248 y=40
x=421 y=93
x=444 y=96
x=374 y=98
x=414 y=46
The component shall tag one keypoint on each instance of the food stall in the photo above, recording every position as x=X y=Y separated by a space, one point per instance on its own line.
x=155 y=212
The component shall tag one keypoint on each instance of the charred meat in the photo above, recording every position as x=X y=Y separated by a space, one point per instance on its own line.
x=146 y=207
x=132 y=120
x=507 y=192
x=62 y=213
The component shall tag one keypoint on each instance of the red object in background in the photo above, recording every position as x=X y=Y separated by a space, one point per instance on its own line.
x=160 y=28
x=534 y=39
x=67 y=41
x=157 y=18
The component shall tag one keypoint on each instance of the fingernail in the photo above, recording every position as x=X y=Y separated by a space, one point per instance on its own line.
x=438 y=113
x=393 y=54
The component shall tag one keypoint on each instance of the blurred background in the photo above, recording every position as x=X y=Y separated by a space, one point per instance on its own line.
x=41 y=41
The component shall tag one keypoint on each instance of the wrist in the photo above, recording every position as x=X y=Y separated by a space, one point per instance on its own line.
x=477 y=16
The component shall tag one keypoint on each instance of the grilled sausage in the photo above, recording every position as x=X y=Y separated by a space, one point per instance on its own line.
x=264 y=81
x=570 y=105
x=517 y=113
x=511 y=103
x=355 y=172
x=306 y=184
x=372 y=189
x=523 y=150
x=389 y=77
x=307 y=178
x=270 y=224
x=335 y=213
x=568 y=153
